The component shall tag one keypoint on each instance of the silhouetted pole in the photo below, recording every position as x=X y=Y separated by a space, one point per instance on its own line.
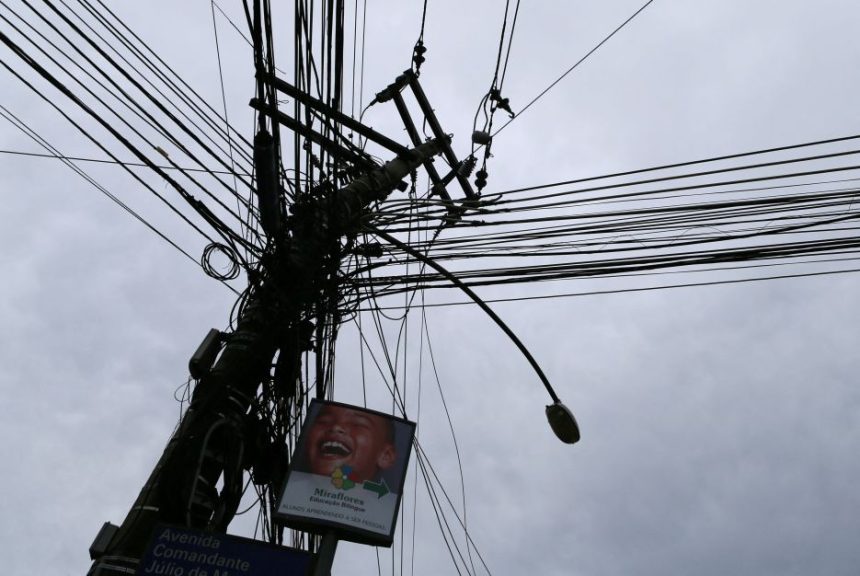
x=210 y=433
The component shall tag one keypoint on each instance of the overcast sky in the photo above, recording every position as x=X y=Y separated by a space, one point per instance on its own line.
x=720 y=425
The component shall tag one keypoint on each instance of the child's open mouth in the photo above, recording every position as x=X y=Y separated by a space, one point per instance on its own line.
x=334 y=449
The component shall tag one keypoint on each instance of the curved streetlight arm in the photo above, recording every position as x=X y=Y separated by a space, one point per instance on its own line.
x=459 y=284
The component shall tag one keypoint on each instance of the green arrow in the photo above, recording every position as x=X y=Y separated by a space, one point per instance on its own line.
x=381 y=488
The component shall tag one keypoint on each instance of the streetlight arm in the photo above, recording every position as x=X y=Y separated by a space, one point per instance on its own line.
x=560 y=418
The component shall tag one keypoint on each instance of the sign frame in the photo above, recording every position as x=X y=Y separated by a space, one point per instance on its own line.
x=317 y=503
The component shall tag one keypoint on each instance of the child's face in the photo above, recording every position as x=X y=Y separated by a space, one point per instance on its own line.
x=343 y=437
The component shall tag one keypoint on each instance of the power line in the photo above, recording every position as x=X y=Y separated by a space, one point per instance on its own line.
x=571 y=69
x=28 y=131
x=124 y=73
x=114 y=162
x=631 y=290
x=193 y=202
x=179 y=87
x=86 y=88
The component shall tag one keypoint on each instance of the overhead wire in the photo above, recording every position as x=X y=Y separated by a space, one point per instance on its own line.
x=572 y=68
x=114 y=162
x=226 y=117
x=227 y=132
x=60 y=86
x=422 y=457
x=4 y=39
x=734 y=156
x=18 y=123
x=425 y=328
x=794 y=217
x=607 y=292
x=165 y=73
x=417 y=435
x=155 y=101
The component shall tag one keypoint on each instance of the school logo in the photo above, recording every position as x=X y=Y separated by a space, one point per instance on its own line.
x=340 y=478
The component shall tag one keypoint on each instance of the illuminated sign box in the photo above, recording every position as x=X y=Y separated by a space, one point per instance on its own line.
x=347 y=473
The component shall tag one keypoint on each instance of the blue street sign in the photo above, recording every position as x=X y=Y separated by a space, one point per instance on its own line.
x=183 y=552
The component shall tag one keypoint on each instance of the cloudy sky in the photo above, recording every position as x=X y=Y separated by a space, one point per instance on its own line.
x=720 y=425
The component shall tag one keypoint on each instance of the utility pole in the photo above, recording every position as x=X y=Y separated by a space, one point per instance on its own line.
x=294 y=283
x=216 y=438
x=209 y=441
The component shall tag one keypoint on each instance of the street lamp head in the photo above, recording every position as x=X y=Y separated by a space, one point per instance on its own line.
x=563 y=423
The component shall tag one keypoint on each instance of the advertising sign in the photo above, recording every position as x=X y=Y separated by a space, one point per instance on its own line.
x=347 y=473
x=184 y=552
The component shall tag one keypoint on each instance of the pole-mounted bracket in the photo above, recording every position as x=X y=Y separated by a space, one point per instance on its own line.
x=391 y=92
x=204 y=357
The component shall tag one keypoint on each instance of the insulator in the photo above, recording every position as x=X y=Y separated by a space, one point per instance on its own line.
x=399 y=84
x=467 y=166
x=481 y=138
x=418 y=54
x=481 y=179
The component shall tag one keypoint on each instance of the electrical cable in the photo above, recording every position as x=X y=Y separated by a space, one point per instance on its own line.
x=73 y=76
x=151 y=66
x=146 y=93
x=438 y=381
x=179 y=87
x=42 y=142
x=198 y=207
x=572 y=68
x=226 y=118
x=641 y=289
x=106 y=161
x=4 y=39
